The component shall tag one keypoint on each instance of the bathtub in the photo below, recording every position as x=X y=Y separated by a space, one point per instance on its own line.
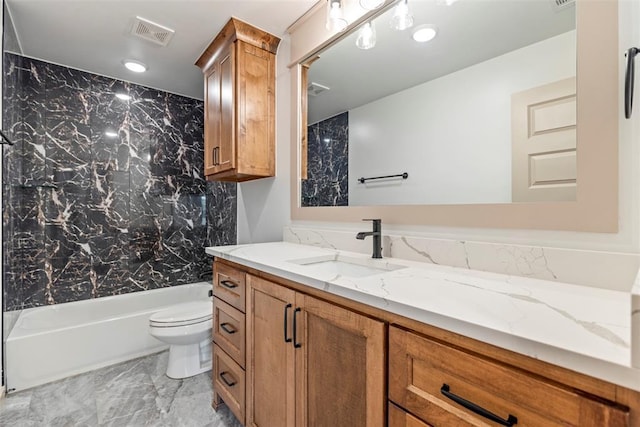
x=57 y=341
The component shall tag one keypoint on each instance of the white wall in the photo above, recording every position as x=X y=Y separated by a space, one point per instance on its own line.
x=452 y=134
x=264 y=204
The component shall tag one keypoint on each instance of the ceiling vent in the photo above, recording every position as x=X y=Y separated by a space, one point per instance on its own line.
x=315 y=89
x=562 y=4
x=151 y=31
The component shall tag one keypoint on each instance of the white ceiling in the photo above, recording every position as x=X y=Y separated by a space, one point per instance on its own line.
x=469 y=32
x=93 y=35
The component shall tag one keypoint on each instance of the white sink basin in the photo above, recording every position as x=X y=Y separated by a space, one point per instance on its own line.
x=344 y=265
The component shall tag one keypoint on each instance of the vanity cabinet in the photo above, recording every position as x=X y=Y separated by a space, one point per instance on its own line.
x=310 y=362
x=401 y=418
x=228 y=329
x=239 y=103
x=444 y=385
x=315 y=358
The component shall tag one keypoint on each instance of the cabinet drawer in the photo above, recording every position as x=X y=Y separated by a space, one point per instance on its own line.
x=429 y=378
x=229 y=285
x=228 y=382
x=229 y=330
x=400 y=418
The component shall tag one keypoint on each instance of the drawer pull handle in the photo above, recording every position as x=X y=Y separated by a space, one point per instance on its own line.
x=478 y=409
x=228 y=284
x=296 y=344
x=228 y=328
x=286 y=321
x=226 y=381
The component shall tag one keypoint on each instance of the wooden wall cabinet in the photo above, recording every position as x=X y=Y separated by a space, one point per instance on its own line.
x=239 y=103
x=310 y=362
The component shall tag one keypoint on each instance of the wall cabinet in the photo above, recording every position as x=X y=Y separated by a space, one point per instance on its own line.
x=239 y=103
x=311 y=362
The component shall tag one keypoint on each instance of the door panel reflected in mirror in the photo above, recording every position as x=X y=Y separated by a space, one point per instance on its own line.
x=483 y=113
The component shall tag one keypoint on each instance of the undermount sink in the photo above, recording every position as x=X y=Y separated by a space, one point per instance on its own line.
x=345 y=265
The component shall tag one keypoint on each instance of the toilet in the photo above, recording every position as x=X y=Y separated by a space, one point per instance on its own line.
x=187 y=329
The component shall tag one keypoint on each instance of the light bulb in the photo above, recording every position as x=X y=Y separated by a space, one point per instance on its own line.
x=424 y=34
x=335 y=20
x=366 y=36
x=371 y=4
x=135 y=66
x=401 y=19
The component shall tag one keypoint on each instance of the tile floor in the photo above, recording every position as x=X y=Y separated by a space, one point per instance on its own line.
x=133 y=393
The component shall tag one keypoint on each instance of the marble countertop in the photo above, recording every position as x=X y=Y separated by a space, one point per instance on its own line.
x=581 y=328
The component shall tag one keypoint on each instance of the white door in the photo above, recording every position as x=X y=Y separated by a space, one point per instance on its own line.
x=543 y=128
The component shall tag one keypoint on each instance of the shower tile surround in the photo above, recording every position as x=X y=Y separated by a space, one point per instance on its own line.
x=87 y=215
x=327 y=182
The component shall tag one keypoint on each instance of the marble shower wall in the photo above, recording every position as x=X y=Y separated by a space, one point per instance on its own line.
x=327 y=182
x=103 y=196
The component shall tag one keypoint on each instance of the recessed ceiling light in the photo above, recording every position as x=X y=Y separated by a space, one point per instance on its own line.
x=110 y=134
x=424 y=34
x=123 y=96
x=135 y=66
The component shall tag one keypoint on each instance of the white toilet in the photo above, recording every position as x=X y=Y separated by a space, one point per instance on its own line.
x=187 y=329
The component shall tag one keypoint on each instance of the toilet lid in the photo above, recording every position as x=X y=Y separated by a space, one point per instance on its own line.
x=183 y=314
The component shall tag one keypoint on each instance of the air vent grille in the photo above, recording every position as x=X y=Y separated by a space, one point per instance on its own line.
x=151 y=31
x=563 y=4
x=315 y=89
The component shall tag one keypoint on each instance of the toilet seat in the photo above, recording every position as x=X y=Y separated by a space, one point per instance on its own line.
x=185 y=314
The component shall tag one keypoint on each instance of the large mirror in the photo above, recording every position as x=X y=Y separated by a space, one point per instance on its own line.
x=484 y=112
x=590 y=202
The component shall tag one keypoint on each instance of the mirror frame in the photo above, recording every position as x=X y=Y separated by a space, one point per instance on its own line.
x=596 y=206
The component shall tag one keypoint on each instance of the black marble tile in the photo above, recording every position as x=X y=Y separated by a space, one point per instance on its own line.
x=89 y=213
x=222 y=201
x=327 y=182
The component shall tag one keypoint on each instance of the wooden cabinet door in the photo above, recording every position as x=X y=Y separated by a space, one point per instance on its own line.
x=211 y=118
x=340 y=366
x=256 y=110
x=270 y=358
x=226 y=154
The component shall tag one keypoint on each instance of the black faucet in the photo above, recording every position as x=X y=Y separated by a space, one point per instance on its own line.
x=377 y=237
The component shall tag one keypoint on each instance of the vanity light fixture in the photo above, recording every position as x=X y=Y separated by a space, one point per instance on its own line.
x=371 y=4
x=424 y=33
x=135 y=66
x=366 y=36
x=335 y=17
x=402 y=18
